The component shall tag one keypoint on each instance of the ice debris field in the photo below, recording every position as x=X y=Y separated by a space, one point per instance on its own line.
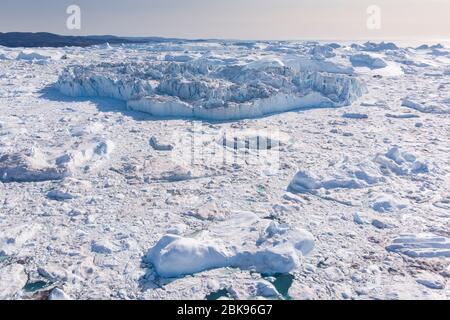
x=109 y=188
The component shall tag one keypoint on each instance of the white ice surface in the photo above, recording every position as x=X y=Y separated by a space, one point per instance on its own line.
x=244 y=241
x=209 y=87
x=88 y=187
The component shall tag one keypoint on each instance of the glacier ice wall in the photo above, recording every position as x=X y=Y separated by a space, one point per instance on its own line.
x=211 y=89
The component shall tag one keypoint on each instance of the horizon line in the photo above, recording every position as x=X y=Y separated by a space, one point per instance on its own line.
x=437 y=38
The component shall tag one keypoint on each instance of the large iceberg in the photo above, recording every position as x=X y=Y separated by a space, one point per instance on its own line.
x=365 y=60
x=209 y=88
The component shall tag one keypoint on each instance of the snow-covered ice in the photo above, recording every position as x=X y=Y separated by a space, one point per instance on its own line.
x=421 y=245
x=365 y=60
x=12 y=278
x=244 y=241
x=191 y=170
x=210 y=88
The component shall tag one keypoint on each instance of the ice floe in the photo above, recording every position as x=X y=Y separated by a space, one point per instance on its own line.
x=12 y=279
x=427 y=107
x=13 y=239
x=100 y=202
x=244 y=241
x=29 y=166
x=343 y=176
x=382 y=46
x=58 y=295
x=365 y=60
x=424 y=245
x=91 y=152
x=387 y=203
x=158 y=145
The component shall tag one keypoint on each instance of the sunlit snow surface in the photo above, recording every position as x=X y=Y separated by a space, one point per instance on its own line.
x=180 y=170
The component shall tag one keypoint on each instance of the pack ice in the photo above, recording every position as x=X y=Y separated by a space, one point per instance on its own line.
x=210 y=88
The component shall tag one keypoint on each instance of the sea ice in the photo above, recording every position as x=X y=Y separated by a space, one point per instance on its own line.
x=343 y=177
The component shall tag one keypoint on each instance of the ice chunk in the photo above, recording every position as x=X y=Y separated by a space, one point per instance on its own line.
x=178 y=58
x=42 y=55
x=235 y=243
x=266 y=289
x=92 y=128
x=29 y=166
x=12 y=279
x=401 y=163
x=429 y=107
x=58 y=294
x=382 y=46
x=102 y=246
x=345 y=177
x=430 y=280
x=358 y=219
x=59 y=195
x=174 y=255
x=179 y=173
x=14 y=237
x=355 y=116
x=156 y=144
x=303 y=182
x=4 y=55
x=423 y=245
x=322 y=52
x=365 y=60
x=387 y=203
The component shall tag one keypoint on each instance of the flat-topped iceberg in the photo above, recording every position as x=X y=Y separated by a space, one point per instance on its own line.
x=212 y=89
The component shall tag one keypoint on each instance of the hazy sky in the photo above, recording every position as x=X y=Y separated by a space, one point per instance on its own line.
x=234 y=19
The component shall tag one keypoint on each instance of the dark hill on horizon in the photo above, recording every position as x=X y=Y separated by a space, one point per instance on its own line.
x=45 y=39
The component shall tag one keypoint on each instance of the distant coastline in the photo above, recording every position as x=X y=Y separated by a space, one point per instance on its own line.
x=45 y=39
